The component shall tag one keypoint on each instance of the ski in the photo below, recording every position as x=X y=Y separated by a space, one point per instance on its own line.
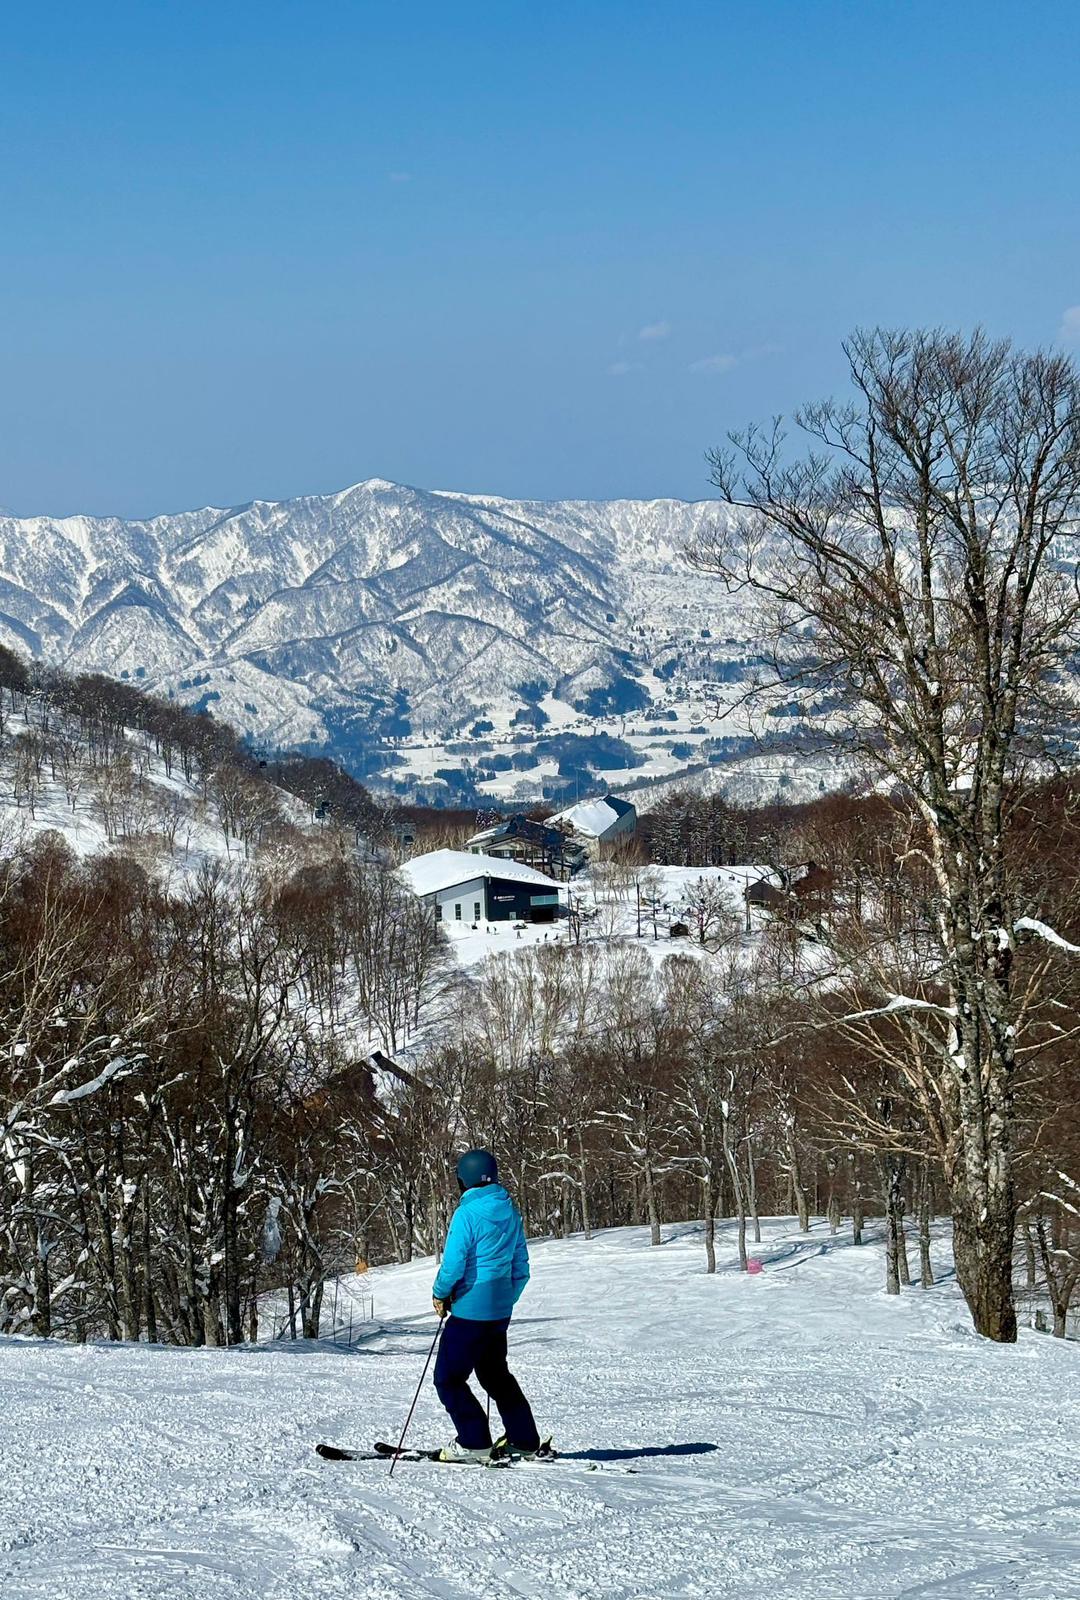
x=381 y=1451
x=547 y=1455
x=388 y=1452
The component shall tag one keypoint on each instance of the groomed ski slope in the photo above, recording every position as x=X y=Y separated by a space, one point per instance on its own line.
x=865 y=1448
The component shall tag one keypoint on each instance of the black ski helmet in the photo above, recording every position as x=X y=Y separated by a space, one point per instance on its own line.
x=476 y=1168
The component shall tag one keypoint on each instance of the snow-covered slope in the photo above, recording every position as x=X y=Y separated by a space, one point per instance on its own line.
x=171 y=824
x=330 y=619
x=848 y=1445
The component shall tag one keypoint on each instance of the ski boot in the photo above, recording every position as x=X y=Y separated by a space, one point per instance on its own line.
x=503 y=1448
x=456 y=1451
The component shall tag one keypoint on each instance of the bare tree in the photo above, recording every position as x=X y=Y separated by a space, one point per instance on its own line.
x=914 y=566
x=712 y=916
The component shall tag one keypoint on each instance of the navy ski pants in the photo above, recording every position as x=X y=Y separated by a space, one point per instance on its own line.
x=466 y=1347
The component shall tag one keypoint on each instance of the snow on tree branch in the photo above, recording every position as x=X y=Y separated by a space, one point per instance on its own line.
x=897 y=1003
x=1042 y=930
x=111 y=1070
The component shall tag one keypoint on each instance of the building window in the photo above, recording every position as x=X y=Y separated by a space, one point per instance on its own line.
x=457 y=910
x=438 y=912
x=476 y=911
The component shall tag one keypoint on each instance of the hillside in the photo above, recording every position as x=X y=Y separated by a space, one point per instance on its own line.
x=850 y=1445
x=382 y=624
x=108 y=767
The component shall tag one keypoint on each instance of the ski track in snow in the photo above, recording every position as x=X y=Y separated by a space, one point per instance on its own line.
x=865 y=1447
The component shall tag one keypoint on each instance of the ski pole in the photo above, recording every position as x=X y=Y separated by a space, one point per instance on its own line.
x=416 y=1397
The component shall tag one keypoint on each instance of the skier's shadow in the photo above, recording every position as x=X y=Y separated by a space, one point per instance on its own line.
x=637 y=1455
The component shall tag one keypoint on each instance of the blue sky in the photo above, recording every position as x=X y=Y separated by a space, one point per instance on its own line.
x=252 y=251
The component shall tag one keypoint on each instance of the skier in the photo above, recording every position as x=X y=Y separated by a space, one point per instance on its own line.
x=485 y=1267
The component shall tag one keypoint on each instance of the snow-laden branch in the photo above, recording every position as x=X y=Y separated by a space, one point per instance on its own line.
x=1056 y=1199
x=899 y=1002
x=1042 y=930
x=112 y=1069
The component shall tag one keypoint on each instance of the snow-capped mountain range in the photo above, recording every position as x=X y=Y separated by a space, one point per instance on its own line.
x=334 y=620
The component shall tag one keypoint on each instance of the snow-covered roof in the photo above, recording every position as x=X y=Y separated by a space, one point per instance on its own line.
x=487 y=834
x=526 y=829
x=593 y=818
x=443 y=869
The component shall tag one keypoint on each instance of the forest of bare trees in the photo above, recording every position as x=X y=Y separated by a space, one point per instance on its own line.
x=178 y=1065
x=183 y=1051
x=194 y=1115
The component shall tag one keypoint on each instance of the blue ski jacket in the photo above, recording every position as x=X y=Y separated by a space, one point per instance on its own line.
x=485 y=1264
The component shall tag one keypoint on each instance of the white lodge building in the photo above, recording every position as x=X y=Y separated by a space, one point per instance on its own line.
x=597 y=824
x=466 y=888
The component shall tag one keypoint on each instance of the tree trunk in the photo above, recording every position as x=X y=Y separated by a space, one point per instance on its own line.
x=926 y=1269
x=708 y=1188
x=737 y=1191
x=652 y=1209
x=892 y=1275
x=751 y=1189
x=311 y=1309
x=798 y=1190
x=213 y=1334
x=983 y=1251
x=234 y=1319
x=583 y=1187
x=901 y=1248
x=1058 y=1287
x=230 y=1259
x=407 y=1239
x=1029 y=1258
x=149 y=1308
x=892 y=1229
x=191 y=1293
x=42 y=1317
x=130 y=1299
x=981 y=1182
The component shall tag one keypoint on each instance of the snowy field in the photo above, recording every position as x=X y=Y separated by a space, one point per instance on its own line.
x=609 y=916
x=861 y=1448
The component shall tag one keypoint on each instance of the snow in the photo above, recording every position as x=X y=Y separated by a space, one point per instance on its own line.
x=901 y=1002
x=444 y=869
x=590 y=817
x=1042 y=930
x=613 y=916
x=198 y=834
x=864 y=1447
x=65 y=1097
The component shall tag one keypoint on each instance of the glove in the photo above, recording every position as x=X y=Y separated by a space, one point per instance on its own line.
x=442 y=1307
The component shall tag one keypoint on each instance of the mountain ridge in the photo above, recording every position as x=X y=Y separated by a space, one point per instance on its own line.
x=341 y=621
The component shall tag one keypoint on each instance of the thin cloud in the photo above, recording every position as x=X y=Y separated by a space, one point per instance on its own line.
x=725 y=361
x=721 y=363
x=1069 y=332
x=399 y=177
x=619 y=369
x=654 y=330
